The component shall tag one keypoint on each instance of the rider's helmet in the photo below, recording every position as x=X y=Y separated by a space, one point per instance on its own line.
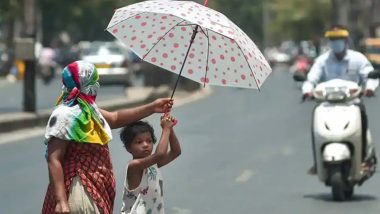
x=338 y=38
x=337 y=32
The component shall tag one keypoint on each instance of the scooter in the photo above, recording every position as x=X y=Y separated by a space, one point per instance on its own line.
x=337 y=138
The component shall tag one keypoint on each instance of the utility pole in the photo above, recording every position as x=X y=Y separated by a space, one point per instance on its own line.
x=26 y=48
x=334 y=11
x=340 y=12
x=265 y=24
x=375 y=19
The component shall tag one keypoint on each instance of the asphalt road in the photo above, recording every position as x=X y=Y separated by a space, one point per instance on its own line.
x=244 y=151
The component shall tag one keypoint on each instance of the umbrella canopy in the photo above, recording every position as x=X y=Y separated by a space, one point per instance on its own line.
x=191 y=40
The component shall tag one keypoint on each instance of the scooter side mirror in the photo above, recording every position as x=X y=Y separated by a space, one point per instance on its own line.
x=374 y=74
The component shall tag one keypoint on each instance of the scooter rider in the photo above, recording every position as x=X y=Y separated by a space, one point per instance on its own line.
x=343 y=63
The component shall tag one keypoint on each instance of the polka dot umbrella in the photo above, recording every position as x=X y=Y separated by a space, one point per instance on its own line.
x=191 y=40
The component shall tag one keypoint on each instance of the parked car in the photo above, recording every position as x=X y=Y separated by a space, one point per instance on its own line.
x=111 y=60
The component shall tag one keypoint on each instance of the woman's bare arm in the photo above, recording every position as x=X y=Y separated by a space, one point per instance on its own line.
x=123 y=117
x=56 y=153
x=120 y=118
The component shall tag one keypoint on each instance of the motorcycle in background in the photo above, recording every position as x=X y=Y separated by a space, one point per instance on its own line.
x=47 y=65
x=300 y=68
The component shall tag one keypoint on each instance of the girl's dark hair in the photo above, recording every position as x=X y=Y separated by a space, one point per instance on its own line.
x=129 y=132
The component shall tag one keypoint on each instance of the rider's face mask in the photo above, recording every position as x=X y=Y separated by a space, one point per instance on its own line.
x=338 y=45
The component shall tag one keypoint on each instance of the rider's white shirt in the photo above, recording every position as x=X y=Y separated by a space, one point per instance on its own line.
x=354 y=67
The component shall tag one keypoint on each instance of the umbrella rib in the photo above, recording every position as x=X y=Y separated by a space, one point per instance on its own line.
x=160 y=39
x=207 y=30
x=126 y=19
x=243 y=54
x=179 y=24
x=186 y=24
x=203 y=32
x=258 y=87
x=219 y=33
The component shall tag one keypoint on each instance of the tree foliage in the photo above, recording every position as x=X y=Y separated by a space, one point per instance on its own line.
x=83 y=20
x=86 y=20
x=298 y=19
x=10 y=9
x=247 y=14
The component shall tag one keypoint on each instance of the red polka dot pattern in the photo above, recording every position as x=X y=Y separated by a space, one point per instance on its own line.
x=160 y=33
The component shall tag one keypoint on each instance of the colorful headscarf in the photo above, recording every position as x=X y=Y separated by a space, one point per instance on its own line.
x=80 y=85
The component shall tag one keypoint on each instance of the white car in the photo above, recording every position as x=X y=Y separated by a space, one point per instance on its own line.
x=111 y=61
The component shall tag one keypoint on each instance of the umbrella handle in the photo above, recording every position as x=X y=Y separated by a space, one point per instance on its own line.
x=174 y=121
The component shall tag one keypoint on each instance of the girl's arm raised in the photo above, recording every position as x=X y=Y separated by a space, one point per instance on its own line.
x=175 y=150
x=136 y=166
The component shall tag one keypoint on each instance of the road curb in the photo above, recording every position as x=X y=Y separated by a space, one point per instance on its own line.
x=15 y=121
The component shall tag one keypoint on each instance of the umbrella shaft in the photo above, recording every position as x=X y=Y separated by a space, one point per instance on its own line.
x=184 y=61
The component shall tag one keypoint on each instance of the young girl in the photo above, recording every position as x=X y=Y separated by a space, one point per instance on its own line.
x=143 y=182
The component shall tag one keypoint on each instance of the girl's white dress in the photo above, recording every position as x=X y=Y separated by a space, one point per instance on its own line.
x=147 y=198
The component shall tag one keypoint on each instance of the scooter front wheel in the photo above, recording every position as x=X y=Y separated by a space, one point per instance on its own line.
x=349 y=192
x=338 y=186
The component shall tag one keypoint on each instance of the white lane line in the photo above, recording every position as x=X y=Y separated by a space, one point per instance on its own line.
x=178 y=210
x=21 y=134
x=244 y=176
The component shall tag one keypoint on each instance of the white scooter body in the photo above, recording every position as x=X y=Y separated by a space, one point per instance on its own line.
x=337 y=136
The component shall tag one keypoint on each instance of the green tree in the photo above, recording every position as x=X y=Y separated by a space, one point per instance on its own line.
x=83 y=20
x=247 y=14
x=10 y=11
x=299 y=19
x=86 y=20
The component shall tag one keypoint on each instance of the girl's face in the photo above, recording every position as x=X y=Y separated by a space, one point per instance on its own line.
x=142 y=145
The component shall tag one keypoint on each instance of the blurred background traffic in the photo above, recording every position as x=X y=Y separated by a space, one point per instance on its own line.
x=39 y=37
